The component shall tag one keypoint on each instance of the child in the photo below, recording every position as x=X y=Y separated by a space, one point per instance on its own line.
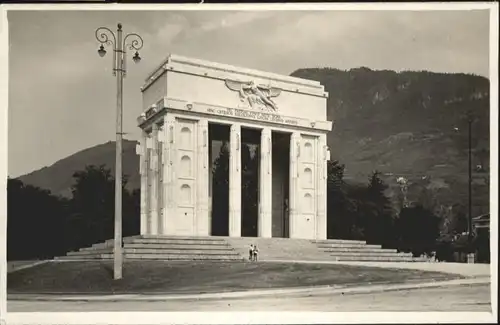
x=255 y=252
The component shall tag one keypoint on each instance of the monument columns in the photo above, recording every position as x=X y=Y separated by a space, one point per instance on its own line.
x=294 y=208
x=321 y=218
x=160 y=154
x=142 y=150
x=154 y=181
x=265 y=221
x=168 y=173
x=235 y=181
x=203 y=227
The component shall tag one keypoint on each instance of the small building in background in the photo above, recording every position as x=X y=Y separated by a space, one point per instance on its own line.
x=481 y=226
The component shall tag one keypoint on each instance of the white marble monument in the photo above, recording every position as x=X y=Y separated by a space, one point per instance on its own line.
x=182 y=100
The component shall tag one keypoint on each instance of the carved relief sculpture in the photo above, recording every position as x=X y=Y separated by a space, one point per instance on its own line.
x=257 y=96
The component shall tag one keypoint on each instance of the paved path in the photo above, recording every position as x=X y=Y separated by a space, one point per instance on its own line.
x=470 y=270
x=332 y=290
x=13 y=266
x=452 y=298
x=471 y=294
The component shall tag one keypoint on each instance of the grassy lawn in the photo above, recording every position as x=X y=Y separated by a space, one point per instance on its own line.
x=197 y=277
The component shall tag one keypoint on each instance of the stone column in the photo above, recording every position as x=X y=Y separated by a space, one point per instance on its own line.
x=149 y=177
x=265 y=222
x=294 y=183
x=154 y=181
x=142 y=150
x=161 y=180
x=321 y=167
x=210 y=189
x=168 y=172
x=203 y=227
x=235 y=181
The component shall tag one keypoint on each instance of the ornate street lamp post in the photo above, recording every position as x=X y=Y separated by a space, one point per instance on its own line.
x=469 y=223
x=120 y=45
x=470 y=120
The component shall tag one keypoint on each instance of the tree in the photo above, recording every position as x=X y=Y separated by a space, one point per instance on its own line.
x=250 y=189
x=377 y=218
x=220 y=192
x=418 y=229
x=454 y=223
x=335 y=198
x=341 y=204
x=92 y=208
x=359 y=211
x=131 y=212
x=35 y=222
x=41 y=225
x=458 y=222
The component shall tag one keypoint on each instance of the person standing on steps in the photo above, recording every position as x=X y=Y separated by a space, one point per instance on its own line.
x=255 y=253
x=250 y=252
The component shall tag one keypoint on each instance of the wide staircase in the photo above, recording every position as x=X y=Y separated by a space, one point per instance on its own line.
x=236 y=249
x=354 y=250
x=279 y=249
x=160 y=248
x=284 y=249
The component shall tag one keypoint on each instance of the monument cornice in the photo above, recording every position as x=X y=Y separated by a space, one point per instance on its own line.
x=237 y=113
x=220 y=71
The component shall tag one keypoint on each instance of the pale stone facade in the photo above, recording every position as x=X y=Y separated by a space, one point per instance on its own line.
x=182 y=99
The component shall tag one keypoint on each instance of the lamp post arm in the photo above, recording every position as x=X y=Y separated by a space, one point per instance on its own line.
x=135 y=43
x=106 y=36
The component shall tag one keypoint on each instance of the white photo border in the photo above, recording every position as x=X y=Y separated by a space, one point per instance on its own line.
x=249 y=317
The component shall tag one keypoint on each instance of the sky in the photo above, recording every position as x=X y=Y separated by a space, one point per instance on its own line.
x=62 y=94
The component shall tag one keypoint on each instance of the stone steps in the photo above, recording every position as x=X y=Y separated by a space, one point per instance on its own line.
x=338 y=241
x=174 y=241
x=346 y=245
x=95 y=247
x=160 y=247
x=380 y=257
x=168 y=251
x=139 y=256
x=183 y=257
x=170 y=237
x=380 y=253
x=236 y=249
x=91 y=252
x=279 y=248
x=106 y=244
x=89 y=257
x=376 y=259
x=178 y=248
x=213 y=247
x=357 y=251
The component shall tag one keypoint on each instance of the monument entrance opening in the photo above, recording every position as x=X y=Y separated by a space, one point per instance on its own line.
x=218 y=135
x=280 y=183
x=250 y=175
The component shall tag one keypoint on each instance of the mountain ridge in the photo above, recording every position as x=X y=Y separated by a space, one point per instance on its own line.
x=57 y=177
x=399 y=123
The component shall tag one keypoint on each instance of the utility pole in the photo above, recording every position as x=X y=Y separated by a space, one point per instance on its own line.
x=105 y=36
x=469 y=221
